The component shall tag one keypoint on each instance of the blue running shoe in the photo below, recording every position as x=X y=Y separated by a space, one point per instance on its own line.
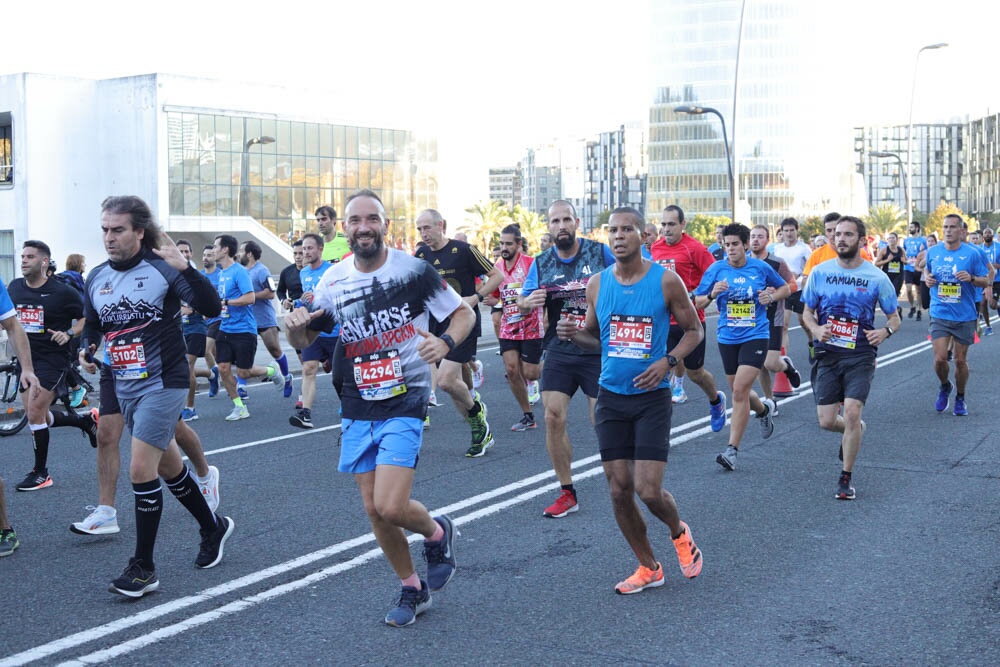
x=718 y=413
x=76 y=397
x=189 y=414
x=411 y=604
x=241 y=391
x=942 y=400
x=213 y=382
x=288 y=385
x=960 y=409
x=440 y=555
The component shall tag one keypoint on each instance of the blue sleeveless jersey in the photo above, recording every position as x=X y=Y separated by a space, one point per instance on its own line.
x=634 y=322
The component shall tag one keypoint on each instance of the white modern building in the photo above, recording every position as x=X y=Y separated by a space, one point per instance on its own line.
x=208 y=156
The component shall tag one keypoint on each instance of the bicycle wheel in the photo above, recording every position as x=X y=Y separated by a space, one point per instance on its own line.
x=12 y=414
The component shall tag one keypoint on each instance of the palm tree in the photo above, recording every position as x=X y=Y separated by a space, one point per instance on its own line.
x=487 y=220
x=885 y=218
x=532 y=226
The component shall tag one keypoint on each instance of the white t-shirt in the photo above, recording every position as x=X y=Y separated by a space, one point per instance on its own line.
x=795 y=256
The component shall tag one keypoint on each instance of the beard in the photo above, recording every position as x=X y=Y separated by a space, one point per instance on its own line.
x=565 y=242
x=850 y=252
x=507 y=254
x=367 y=252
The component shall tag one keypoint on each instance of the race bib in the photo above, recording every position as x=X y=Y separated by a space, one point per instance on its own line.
x=631 y=337
x=32 y=318
x=843 y=332
x=225 y=313
x=668 y=264
x=128 y=360
x=949 y=292
x=379 y=375
x=894 y=267
x=741 y=313
x=576 y=311
x=508 y=296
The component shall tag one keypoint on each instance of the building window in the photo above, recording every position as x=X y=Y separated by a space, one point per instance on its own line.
x=7 y=255
x=6 y=149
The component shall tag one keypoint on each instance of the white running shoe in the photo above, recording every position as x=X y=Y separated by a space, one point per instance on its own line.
x=277 y=378
x=239 y=412
x=210 y=488
x=478 y=375
x=533 y=394
x=103 y=520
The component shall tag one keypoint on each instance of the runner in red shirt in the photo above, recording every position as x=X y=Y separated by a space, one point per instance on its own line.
x=689 y=259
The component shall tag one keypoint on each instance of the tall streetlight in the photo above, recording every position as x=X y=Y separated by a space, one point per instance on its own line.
x=909 y=132
x=245 y=167
x=895 y=156
x=697 y=111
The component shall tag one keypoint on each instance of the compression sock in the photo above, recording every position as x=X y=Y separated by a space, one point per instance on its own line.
x=40 y=438
x=148 y=508
x=185 y=489
x=283 y=364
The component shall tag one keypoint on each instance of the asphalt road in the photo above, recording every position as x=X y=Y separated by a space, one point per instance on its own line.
x=909 y=573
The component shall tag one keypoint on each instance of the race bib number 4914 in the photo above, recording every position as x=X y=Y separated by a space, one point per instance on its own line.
x=630 y=337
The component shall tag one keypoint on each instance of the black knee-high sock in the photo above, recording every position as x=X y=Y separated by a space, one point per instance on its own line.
x=60 y=418
x=148 y=508
x=40 y=438
x=185 y=489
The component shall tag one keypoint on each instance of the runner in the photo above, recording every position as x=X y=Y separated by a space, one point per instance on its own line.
x=289 y=291
x=211 y=271
x=46 y=308
x=248 y=255
x=742 y=287
x=775 y=362
x=631 y=307
x=132 y=301
x=795 y=254
x=840 y=302
x=558 y=280
x=325 y=345
x=383 y=299
x=237 y=341
x=520 y=335
x=335 y=245
x=913 y=244
x=954 y=269
x=29 y=385
x=458 y=264
x=194 y=329
x=891 y=259
x=992 y=251
x=689 y=259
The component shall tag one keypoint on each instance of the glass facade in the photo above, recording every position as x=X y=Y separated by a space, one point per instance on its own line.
x=783 y=141
x=983 y=160
x=280 y=171
x=938 y=165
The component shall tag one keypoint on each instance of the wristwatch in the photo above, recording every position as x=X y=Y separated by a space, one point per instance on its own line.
x=449 y=341
x=672 y=360
x=890 y=331
x=480 y=297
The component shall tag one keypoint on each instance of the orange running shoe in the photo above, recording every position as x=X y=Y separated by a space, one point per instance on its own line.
x=688 y=554
x=642 y=579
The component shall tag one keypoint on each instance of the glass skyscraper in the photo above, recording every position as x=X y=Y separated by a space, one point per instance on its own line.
x=792 y=157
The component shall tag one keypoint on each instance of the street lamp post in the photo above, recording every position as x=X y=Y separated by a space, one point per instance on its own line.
x=697 y=111
x=245 y=167
x=906 y=191
x=909 y=133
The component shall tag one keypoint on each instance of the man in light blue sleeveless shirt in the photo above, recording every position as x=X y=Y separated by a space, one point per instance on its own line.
x=628 y=320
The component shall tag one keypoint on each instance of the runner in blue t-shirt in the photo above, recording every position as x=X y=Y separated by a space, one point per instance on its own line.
x=237 y=341
x=629 y=305
x=953 y=272
x=195 y=331
x=211 y=271
x=840 y=300
x=913 y=245
x=992 y=251
x=742 y=288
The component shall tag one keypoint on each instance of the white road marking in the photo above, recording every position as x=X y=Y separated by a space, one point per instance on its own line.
x=143 y=617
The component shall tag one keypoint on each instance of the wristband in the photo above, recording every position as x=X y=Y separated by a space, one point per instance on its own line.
x=449 y=341
x=480 y=297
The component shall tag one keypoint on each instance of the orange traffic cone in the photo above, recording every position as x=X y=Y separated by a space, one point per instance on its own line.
x=782 y=387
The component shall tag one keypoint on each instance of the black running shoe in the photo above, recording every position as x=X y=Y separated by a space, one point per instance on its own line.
x=34 y=481
x=844 y=489
x=90 y=429
x=794 y=378
x=440 y=555
x=302 y=418
x=135 y=581
x=210 y=553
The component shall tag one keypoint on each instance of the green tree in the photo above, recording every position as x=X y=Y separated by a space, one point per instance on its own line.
x=486 y=219
x=702 y=227
x=885 y=218
x=936 y=218
x=810 y=227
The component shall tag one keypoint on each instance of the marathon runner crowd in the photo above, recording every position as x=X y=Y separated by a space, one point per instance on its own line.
x=622 y=321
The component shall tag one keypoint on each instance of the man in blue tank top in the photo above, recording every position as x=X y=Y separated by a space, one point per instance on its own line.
x=839 y=315
x=629 y=305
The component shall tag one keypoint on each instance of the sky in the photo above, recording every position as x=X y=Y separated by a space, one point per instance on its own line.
x=492 y=79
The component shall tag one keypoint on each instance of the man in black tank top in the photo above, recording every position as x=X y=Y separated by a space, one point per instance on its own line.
x=891 y=259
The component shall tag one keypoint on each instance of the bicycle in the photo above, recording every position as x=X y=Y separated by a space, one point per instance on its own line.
x=13 y=416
